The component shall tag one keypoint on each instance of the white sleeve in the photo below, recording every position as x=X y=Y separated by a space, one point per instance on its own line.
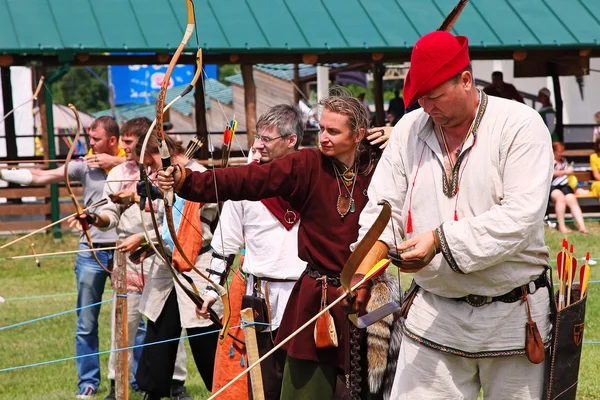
x=476 y=243
x=389 y=183
x=228 y=237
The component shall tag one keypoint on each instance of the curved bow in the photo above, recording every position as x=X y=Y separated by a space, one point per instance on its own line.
x=84 y=224
x=32 y=98
x=363 y=247
x=169 y=195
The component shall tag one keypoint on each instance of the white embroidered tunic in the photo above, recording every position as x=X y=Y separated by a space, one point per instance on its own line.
x=271 y=250
x=496 y=245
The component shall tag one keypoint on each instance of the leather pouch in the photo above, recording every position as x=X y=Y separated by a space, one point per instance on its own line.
x=259 y=307
x=325 y=333
x=534 y=347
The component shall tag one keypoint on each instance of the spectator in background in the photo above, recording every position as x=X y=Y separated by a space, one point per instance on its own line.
x=396 y=107
x=391 y=118
x=562 y=194
x=595 y=166
x=365 y=104
x=596 y=132
x=499 y=88
x=547 y=112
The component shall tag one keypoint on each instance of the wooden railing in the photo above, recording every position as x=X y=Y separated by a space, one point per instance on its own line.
x=17 y=215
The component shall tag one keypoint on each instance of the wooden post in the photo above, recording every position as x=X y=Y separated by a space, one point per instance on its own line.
x=378 y=71
x=256 y=381
x=200 y=116
x=249 y=102
x=51 y=150
x=41 y=101
x=121 y=334
x=558 y=102
x=296 y=86
x=9 y=123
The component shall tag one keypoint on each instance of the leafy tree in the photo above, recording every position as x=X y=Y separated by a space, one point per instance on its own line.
x=80 y=87
x=228 y=70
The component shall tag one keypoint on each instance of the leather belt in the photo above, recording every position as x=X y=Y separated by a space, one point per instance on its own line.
x=510 y=297
x=263 y=279
x=312 y=271
x=101 y=246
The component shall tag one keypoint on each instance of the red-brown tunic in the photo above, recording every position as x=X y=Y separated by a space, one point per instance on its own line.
x=307 y=180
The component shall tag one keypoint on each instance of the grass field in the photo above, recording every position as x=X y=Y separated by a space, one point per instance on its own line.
x=50 y=339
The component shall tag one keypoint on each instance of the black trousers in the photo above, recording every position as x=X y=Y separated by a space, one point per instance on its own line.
x=157 y=363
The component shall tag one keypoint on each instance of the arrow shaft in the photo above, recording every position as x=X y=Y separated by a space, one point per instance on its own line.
x=60 y=253
x=101 y=202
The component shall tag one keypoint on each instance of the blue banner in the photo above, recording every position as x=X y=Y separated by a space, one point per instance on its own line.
x=135 y=83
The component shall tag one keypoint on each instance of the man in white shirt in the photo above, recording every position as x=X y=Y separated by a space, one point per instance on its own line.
x=466 y=328
x=268 y=230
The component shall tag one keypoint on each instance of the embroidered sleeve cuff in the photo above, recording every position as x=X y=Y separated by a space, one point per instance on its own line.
x=445 y=249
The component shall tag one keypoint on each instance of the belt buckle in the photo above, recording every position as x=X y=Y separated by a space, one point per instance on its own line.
x=531 y=287
x=477 y=301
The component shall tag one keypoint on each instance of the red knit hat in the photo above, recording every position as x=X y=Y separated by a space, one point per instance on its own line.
x=436 y=57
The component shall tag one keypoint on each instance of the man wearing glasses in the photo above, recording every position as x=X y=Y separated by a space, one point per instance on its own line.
x=268 y=230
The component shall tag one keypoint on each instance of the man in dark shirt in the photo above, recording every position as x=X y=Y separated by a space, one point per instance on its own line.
x=499 y=88
x=396 y=107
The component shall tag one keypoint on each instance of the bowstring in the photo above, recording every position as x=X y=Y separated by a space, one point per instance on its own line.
x=211 y=150
x=399 y=272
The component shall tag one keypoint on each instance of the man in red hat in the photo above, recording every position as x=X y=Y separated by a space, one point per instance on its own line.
x=468 y=178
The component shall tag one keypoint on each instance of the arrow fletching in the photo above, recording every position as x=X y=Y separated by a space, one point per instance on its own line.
x=450 y=20
x=377 y=269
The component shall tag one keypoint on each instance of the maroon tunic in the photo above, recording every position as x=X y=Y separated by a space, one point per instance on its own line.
x=306 y=179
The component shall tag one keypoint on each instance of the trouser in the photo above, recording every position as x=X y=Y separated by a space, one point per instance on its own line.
x=156 y=367
x=425 y=373
x=271 y=368
x=91 y=279
x=136 y=334
x=308 y=380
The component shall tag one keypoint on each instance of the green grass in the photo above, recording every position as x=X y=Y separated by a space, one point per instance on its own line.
x=54 y=338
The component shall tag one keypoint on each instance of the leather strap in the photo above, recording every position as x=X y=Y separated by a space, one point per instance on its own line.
x=314 y=273
x=510 y=297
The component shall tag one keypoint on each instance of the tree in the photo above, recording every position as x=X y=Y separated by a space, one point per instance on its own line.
x=81 y=88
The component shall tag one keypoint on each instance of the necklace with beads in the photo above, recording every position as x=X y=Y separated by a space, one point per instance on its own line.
x=345 y=201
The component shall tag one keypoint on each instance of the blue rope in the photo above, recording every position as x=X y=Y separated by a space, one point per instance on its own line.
x=53 y=315
x=115 y=350
x=63 y=312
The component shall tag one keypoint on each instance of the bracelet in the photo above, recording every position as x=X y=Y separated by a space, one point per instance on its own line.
x=436 y=242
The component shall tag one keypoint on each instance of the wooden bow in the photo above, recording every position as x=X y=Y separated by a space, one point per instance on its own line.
x=85 y=226
x=169 y=195
x=362 y=249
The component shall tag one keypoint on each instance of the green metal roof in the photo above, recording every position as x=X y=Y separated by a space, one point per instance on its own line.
x=282 y=71
x=289 y=26
x=213 y=88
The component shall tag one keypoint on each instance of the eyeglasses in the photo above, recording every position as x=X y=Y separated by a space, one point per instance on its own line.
x=267 y=140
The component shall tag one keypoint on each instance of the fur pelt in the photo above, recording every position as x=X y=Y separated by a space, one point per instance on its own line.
x=383 y=337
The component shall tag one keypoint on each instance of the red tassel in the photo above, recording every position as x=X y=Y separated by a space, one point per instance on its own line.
x=455 y=215
x=409 y=223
